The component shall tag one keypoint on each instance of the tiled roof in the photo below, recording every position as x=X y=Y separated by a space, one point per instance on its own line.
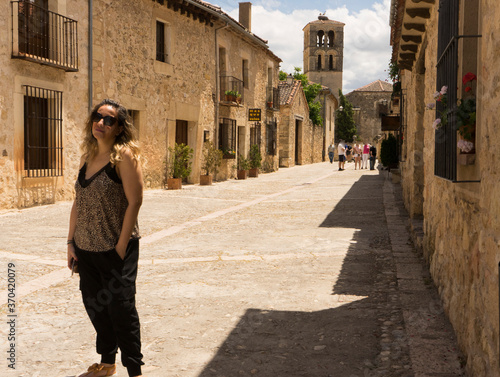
x=376 y=86
x=288 y=91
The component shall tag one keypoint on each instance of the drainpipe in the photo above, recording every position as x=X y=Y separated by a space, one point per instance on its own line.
x=90 y=56
x=217 y=87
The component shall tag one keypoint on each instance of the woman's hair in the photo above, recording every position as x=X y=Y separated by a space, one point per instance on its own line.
x=127 y=139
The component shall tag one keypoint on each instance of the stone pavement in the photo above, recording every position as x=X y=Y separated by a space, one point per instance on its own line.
x=307 y=271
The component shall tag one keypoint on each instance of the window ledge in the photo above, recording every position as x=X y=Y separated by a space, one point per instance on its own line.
x=466 y=159
x=164 y=68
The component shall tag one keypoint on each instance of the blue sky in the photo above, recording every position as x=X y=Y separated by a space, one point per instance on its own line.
x=366 y=35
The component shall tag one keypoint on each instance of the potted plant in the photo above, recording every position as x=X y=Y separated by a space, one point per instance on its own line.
x=228 y=95
x=178 y=165
x=238 y=98
x=211 y=160
x=255 y=159
x=269 y=104
x=242 y=167
x=229 y=154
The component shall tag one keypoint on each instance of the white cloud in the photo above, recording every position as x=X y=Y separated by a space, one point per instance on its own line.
x=366 y=39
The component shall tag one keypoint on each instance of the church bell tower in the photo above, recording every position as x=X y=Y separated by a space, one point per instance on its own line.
x=324 y=52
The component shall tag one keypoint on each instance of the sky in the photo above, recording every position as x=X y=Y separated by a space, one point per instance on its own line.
x=367 y=49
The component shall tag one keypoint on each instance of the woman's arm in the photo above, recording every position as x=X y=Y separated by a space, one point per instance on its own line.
x=72 y=227
x=130 y=173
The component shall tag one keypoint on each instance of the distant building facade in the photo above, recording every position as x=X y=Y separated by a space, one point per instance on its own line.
x=370 y=103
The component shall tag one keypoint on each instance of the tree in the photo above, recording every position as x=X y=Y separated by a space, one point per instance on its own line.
x=345 y=126
x=311 y=92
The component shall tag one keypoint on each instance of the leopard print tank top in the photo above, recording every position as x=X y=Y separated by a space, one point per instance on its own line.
x=100 y=206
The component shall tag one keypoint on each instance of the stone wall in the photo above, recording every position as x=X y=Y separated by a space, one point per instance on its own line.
x=369 y=125
x=461 y=224
x=16 y=190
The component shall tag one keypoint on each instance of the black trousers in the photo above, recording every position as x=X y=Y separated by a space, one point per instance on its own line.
x=107 y=284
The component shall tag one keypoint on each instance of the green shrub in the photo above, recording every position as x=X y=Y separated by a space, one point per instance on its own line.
x=389 y=151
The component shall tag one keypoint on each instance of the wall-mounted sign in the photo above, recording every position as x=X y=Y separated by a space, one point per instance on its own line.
x=254 y=115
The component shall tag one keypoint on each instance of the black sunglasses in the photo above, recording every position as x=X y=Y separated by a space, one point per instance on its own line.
x=108 y=120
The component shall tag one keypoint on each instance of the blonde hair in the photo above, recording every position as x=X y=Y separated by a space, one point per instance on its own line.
x=126 y=139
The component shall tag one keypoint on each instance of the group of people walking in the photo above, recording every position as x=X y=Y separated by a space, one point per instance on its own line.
x=361 y=153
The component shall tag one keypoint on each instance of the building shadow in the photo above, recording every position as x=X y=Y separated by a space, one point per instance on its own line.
x=342 y=341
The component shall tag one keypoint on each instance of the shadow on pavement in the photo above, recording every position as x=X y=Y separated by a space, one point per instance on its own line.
x=342 y=341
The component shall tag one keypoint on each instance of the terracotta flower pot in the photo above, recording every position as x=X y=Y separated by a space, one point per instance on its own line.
x=205 y=180
x=174 y=183
x=254 y=173
x=242 y=174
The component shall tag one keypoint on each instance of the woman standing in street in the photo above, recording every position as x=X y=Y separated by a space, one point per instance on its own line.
x=357 y=156
x=103 y=237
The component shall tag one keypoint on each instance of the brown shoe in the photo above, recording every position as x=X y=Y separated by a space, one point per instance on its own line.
x=99 y=370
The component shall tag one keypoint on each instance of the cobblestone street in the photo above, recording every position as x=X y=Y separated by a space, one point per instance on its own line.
x=308 y=271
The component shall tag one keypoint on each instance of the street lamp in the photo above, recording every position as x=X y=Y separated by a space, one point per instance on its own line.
x=341 y=108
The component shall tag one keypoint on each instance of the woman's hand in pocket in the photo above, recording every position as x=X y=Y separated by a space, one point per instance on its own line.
x=121 y=250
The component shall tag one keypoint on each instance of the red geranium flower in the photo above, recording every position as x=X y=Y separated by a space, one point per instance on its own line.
x=468 y=89
x=468 y=77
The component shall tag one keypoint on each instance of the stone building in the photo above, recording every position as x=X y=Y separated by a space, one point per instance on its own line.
x=453 y=194
x=44 y=99
x=300 y=141
x=324 y=52
x=170 y=63
x=370 y=103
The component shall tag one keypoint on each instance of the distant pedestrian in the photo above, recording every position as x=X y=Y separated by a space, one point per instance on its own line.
x=103 y=236
x=331 y=152
x=341 y=153
x=357 y=156
x=366 y=154
x=373 y=157
x=348 y=152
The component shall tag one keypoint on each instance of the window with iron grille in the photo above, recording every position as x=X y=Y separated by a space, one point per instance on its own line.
x=44 y=36
x=227 y=137
x=445 y=154
x=271 y=134
x=43 y=151
x=255 y=134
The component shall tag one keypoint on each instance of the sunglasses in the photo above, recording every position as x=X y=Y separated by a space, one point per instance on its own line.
x=108 y=120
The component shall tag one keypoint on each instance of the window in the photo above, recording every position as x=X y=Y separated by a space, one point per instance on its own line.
x=244 y=72
x=445 y=153
x=227 y=136
x=255 y=134
x=331 y=37
x=271 y=131
x=161 y=42
x=320 y=39
x=319 y=62
x=43 y=152
x=330 y=63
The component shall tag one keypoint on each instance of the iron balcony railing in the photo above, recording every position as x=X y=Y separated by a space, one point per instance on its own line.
x=231 y=89
x=43 y=36
x=273 y=98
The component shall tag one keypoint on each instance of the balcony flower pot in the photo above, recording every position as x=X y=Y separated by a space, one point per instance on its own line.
x=254 y=172
x=205 y=180
x=242 y=174
x=174 y=183
x=269 y=105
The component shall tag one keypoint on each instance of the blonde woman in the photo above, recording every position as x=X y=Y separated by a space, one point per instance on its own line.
x=357 y=156
x=103 y=237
